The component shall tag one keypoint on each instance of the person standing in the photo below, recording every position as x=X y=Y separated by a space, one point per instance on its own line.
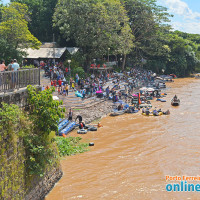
x=15 y=68
x=2 y=66
x=2 y=69
x=70 y=114
x=67 y=89
x=10 y=65
x=15 y=65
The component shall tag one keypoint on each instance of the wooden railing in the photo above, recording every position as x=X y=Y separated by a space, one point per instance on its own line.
x=11 y=80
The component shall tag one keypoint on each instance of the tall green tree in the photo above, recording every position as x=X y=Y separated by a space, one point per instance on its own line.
x=146 y=20
x=41 y=13
x=14 y=30
x=94 y=26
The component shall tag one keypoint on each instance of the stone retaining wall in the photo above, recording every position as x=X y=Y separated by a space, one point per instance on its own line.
x=18 y=97
x=45 y=185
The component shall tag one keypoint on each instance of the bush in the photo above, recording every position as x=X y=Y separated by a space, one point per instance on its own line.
x=70 y=146
x=28 y=67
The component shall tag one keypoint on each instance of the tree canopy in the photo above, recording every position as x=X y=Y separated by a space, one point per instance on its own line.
x=94 y=26
x=135 y=29
x=14 y=33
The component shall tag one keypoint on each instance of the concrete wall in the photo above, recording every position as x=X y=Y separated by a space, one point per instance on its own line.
x=18 y=97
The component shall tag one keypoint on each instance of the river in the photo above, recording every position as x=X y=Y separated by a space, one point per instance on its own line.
x=133 y=153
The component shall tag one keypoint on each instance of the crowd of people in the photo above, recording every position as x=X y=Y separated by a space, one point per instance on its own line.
x=12 y=78
x=93 y=84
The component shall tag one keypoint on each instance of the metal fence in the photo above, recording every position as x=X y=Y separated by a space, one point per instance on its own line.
x=11 y=80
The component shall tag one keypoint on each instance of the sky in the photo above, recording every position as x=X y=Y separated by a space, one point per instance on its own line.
x=186 y=14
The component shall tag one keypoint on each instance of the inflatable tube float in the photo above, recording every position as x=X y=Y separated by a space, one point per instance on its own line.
x=68 y=128
x=92 y=128
x=82 y=131
x=91 y=144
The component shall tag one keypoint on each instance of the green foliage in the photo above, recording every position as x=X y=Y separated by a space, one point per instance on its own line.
x=28 y=66
x=44 y=111
x=8 y=51
x=98 y=25
x=14 y=33
x=41 y=12
x=78 y=70
x=14 y=27
x=70 y=146
x=12 y=170
x=40 y=153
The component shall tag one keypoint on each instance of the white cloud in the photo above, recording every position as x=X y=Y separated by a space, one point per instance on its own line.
x=181 y=8
x=189 y=27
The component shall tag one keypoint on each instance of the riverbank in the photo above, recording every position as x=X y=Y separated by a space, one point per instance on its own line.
x=133 y=153
x=94 y=112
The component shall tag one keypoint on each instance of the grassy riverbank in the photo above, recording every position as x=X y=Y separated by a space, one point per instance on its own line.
x=71 y=146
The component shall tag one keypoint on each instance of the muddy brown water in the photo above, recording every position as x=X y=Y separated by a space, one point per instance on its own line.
x=133 y=153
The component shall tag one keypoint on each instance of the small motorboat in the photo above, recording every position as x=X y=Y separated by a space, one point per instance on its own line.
x=175 y=101
x=117 y=112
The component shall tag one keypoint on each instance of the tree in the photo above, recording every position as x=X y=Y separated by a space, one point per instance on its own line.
x=14 y=29
x=41 y=13
x=14 y=33
x=45 y=112
x=146 y=20
x=94 y=26
x=182 y=59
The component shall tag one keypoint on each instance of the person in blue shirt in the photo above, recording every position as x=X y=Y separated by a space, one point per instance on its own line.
x=155 y=112
x=15 y=66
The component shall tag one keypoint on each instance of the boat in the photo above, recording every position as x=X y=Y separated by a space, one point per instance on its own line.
x=145 y=105
x=175 y=101
x=161 y=100
x=68 y=128
x=62 y=124
x=151 y=114
x=117 y=112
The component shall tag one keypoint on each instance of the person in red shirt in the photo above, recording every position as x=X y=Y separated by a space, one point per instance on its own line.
x=52 y=83
x=59 y=82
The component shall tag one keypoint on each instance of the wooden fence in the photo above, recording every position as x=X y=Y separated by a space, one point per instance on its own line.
x=11 y=80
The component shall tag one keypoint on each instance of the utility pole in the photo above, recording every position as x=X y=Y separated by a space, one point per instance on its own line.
x=54 y=49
